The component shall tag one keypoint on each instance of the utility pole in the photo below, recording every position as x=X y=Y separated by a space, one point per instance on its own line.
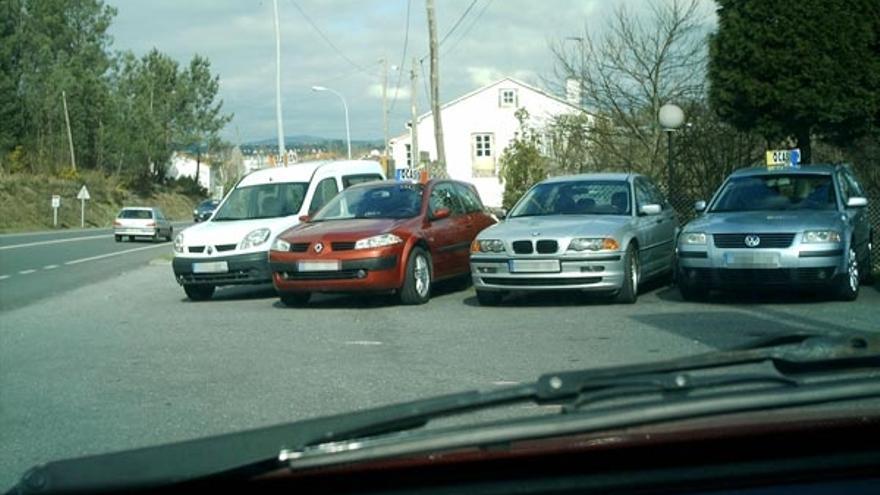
x=414 y=125
x=435 y=86
x=69 y=134
x=385 y=161
x=282 y=154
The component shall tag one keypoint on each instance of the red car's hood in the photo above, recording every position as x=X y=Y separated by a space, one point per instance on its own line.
x=344 y=230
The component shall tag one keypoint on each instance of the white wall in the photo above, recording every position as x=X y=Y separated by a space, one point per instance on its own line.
x=185 y=166
x=480 y=113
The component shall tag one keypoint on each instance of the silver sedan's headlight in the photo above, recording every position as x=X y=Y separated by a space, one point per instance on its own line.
x=377 y=241
x=178 y=243
x=280 y=245
x=821 y=236
x=593 y=244
x=487 y=246
x=254 y=238
x=693 y=239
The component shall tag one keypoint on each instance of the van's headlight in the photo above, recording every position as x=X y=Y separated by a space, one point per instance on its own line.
x=377 y=241
x=254 y=238
x=821 y=236
x=593 y=244
x=487 y=246
x=280 y=245
x=178 y=243
x=693 y=239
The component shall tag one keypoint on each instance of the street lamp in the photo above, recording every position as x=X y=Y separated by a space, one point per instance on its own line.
x=671 y=117
x=345 y=106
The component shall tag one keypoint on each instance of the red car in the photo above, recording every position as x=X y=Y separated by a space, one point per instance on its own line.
x=381 y=236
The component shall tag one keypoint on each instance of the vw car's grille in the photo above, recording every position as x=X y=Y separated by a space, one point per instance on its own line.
x=541 y=282
x=766 y=240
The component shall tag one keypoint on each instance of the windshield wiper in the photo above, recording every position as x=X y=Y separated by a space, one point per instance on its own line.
x=785 y=367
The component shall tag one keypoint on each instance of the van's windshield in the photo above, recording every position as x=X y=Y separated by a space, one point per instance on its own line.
x=263 y=201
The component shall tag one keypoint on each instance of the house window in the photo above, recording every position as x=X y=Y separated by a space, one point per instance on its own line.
x=483 y=155
x=507 y=98
x=408 y=155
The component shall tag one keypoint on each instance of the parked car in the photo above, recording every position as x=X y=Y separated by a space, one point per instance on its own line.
x=133 y=222
x=590 y=232
x=785 y=227
x=230 y=248
x=204 y=210
x=383 y=236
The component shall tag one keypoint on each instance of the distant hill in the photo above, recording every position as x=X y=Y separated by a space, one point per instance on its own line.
x=306 y=140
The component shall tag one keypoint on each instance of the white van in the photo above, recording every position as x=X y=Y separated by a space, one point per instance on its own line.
x=232 y=246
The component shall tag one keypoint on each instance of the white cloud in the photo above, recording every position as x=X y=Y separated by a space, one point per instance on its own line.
x=375 y=91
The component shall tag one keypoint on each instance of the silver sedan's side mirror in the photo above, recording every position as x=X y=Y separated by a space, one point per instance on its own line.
x=700 y=205
x=651 y=209
x=856 y=202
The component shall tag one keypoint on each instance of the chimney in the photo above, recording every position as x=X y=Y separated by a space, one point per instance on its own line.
x=573 y=91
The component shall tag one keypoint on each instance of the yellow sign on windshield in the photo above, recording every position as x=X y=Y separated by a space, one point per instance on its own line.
x=783 y=158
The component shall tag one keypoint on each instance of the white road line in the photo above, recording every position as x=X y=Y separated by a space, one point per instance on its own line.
x=4 y=277
x=55 y=241
x=50 y=267
x=503 y=383
x=26 y=272
x=117 y=253
x=363 y=342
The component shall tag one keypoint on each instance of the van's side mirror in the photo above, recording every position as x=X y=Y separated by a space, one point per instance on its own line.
x=856 y=202
x=651 y=209
x=700 y=205
x=304 y=218
x=441 y=214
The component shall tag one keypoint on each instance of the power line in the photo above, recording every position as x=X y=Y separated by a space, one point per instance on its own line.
x=327 y=40
x=458 y=22
x=402 y=58
x=469 y=27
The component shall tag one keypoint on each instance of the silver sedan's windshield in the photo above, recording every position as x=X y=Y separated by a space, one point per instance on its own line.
x=777 y=192
x=583 y=197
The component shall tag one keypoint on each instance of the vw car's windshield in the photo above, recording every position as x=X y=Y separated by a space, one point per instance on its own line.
x=388 y=201
x=263 y=201
x=594 y=197
x=777 y=192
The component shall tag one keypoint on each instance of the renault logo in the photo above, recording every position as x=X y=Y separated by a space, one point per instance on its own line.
x=210 y=250
x=319 y=247
x=752 y=241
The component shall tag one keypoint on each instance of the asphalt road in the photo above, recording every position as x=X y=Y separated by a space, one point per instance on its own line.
x=127 y=361
x=38 y=265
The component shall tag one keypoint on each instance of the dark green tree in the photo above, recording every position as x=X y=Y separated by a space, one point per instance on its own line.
x=797 y=69
x=521 y=162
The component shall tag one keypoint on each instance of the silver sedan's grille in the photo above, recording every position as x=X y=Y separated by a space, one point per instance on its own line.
x=544 y=246
x=522 y=247
x=734 y=241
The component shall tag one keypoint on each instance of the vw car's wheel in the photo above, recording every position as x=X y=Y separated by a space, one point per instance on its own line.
x=629 y=291
x=199 y=292
x=867 y=271
x=295 y=299
x=489 y=298
x=118 y=238
x=848 y=282
x=417 y=281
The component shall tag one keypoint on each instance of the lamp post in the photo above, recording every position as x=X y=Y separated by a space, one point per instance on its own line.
x=671 y=117
x=344 y=106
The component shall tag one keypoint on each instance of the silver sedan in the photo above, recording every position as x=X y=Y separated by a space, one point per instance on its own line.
x=149 y=222
x=590 y=232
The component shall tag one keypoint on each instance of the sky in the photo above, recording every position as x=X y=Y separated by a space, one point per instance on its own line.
x=496 y=39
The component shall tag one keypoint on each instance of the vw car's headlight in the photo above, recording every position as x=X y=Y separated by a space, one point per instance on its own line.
x=487 y=246
x=693 y=239
x=820 y=236
x=593 y=244
x=280 y=245
x=254 y=238
x=377 y=241
x=178 y=243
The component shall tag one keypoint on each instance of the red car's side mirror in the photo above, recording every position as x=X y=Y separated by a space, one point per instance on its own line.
x=304 y=218
x=441 y=214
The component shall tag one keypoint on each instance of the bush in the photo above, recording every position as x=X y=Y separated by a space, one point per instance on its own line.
x=522 y=164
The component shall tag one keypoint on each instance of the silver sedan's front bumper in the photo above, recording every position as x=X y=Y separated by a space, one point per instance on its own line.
x=598 y=272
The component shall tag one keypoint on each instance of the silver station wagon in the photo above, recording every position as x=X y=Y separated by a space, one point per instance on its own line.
x=590 y=232
x=778 y=228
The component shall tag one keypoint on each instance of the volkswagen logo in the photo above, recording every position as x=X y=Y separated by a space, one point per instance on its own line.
x=752 y=241
x=319 y=247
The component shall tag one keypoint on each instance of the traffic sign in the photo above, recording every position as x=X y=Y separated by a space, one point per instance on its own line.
x=783 y=158
x=56 y=201
x=83 y=193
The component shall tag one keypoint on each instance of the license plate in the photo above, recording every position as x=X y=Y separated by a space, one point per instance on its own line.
x=318 y=266
x=211 y=267
x=752 y=260
x=534 y=266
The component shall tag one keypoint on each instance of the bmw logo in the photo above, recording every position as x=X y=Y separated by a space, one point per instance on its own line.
x=752 y=241
x=319 y=247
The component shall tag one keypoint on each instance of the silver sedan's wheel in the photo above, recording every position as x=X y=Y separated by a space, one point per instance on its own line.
x=629 y=292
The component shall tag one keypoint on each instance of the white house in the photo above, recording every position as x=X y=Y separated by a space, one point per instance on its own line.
x=183 y=165
x=476 y=129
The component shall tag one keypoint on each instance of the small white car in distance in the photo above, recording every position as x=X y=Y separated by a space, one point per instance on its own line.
x=137 y=221
x=232 y=247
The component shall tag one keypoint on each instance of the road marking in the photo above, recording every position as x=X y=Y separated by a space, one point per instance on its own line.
x=50 y=267
x=363 y=342
x=26 y=272
x=502 y=383
x=55 y=241
x=117 y=253
x=4 y=277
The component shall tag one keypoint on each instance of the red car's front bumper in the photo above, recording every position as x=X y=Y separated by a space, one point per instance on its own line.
x=367 y=270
